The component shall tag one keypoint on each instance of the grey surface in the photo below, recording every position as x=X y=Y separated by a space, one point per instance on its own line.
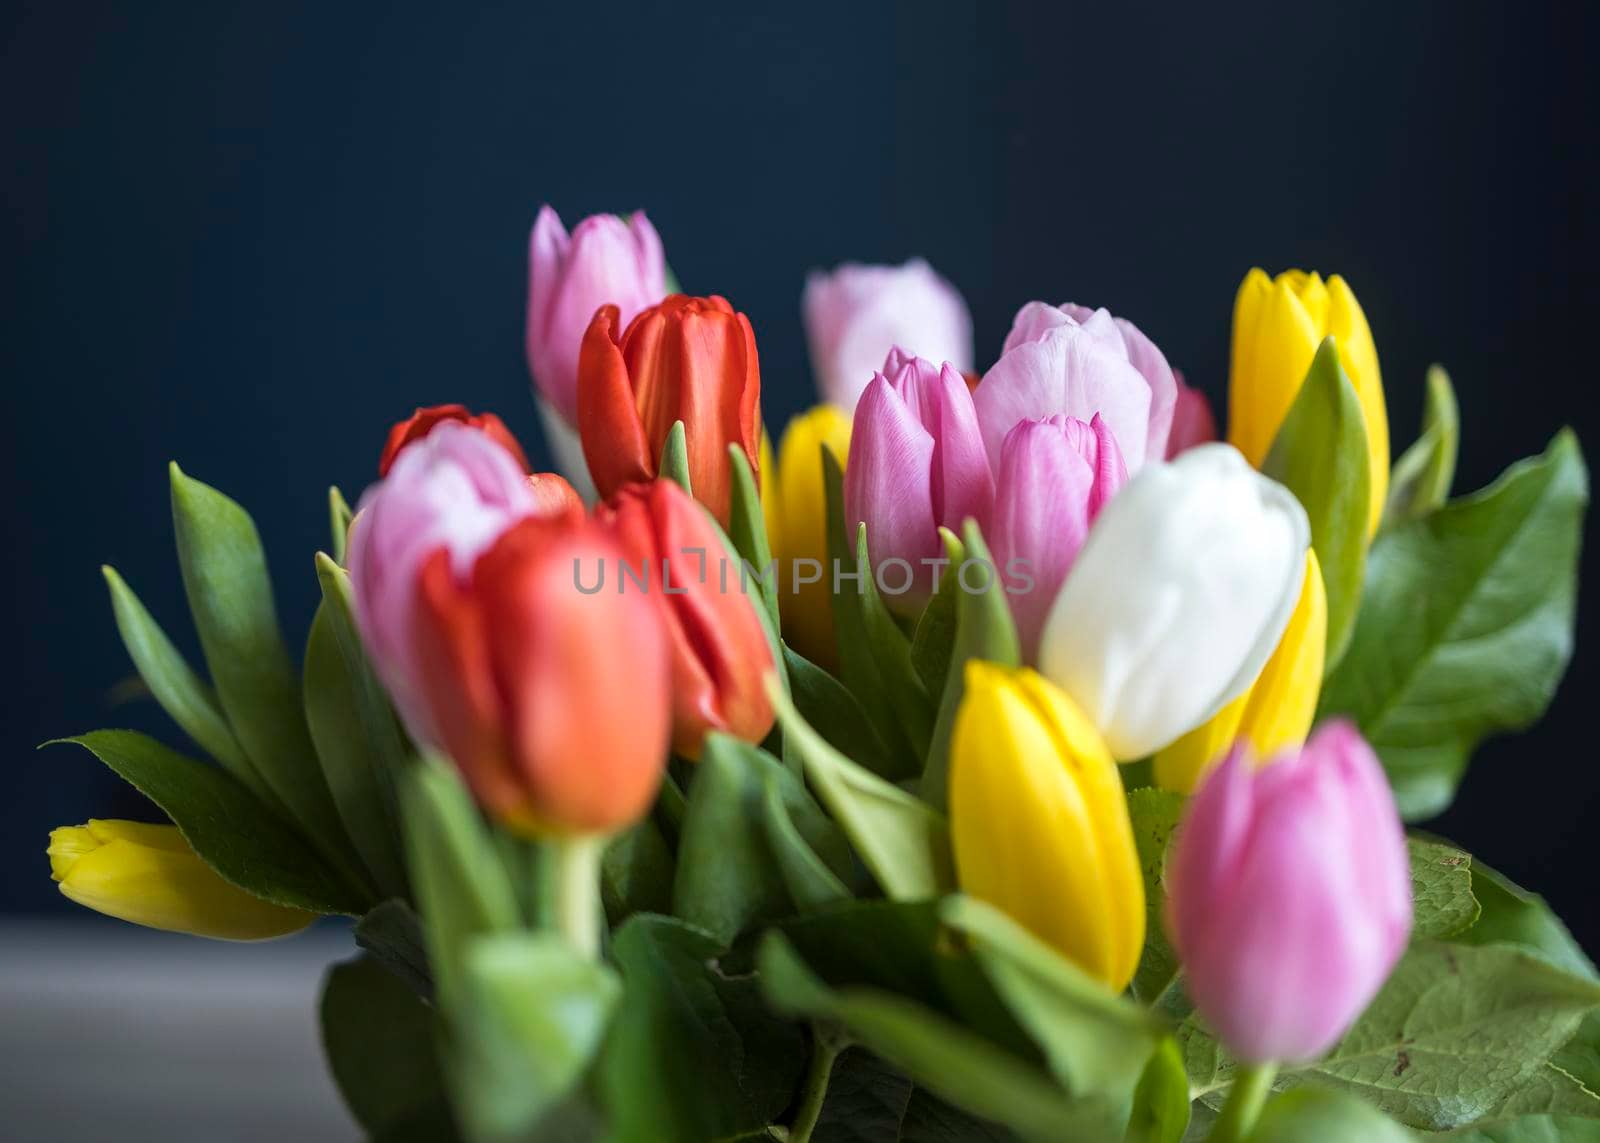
x=112 y=1031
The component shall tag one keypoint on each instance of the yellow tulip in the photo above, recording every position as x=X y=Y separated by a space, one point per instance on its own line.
x=797 y=528
x=1039 y=822
x=1277 y=325
x=1274 y=714
x=149 y=875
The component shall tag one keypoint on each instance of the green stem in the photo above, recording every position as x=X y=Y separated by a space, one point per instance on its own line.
x=826 y=1044
x=574 y=887
x=1250 y=1088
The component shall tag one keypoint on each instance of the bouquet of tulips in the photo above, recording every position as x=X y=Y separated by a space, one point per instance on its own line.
x=1005 y=758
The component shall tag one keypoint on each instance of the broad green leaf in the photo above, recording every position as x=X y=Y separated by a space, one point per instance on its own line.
x=346 y=755
x=1441 y=889
x=1312 y=1116
x=636 y=872
x=952 y=1062
x=674 y=464
x=1553 y=1101
x=230 y=595
x=1154 y=814
x=933 y=642
x=392 y=932
x=892 y=650
x=1454 y=1032
x=1420 y=480
x=245 y=842
x=824 y=702
x=1466 y=625
x=929 y=1119
x=339 y=517
x=1161 y=1101
x=462 y=890
x=378 y=1037
x=182 y=694
x=1097 y=1042
x=690 y=1055
x=522 y=1031
x=1320 y=454
x=984 y=630
x=747 y=528
x=809 y=881
x=902 y=840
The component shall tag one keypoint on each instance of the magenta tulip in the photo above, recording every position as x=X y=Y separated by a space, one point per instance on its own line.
x=1192 y=420
x=1055 y=475
x=916 y=463
x=1076 y=361
x=1289 y=895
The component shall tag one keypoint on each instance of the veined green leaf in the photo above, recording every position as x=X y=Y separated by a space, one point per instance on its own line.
x=1441 y=889
x=636 y=872
x=1421 y=478
x=378 y=1038
x=1311 y=1116
x=1154 y=814
x=391 y=932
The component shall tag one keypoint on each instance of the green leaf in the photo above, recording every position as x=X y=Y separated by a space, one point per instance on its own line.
x=674 y=464
x=244 y=841
x=747 y=528
x=392 y=932
x=230 y=595
x=1161 y=1101
x=892 y=652
x=1154 y=814
x=182 y=694
x=1320 y=454
x=824 y=702
x=1096 y=1042
x=636 y=872
x=462 y=889
x=809 y=881
x=1454 y=1032
x=527 y=1022
x=1466 y=625
x=903 y=841
x=348 y=761
x=1311 y=1116
x=949 y=1060
x=690 y=1055
x=1441 y=889
x=1421 y=478
x=984 y=630
x=933 y=643
x=339 y=517
x=1551 y=1105
x=378 y=1038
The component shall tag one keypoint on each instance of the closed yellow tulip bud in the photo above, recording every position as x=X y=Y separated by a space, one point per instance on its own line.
x=149 y=875
x=800 y=514
x=1275 y=713
x=1277 y=325
x=1039 y=821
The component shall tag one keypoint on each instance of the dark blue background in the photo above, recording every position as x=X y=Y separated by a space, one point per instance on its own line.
x=251 y=236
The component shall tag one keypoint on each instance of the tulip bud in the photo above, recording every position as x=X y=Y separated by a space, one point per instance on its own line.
x=550 y=692
x=1177 y=599
x=457 y=489
x=1055 y=475
x=1289 y=896
x=1039 y=822
x=422 y=422
x=857 y=314
x=607 y=261
x=798 y=527
x=1277 y=325
x=1076 y=361
x=687 y=359
x=719 y=649
x=1275 y=713
x=916 y=464
x=1192 y=420
x=149 y=875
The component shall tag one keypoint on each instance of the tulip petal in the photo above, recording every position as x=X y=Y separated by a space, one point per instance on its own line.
x=888 y=483
x=615 y=445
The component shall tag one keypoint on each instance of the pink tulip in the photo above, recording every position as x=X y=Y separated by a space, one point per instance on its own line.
x=1192 y=420
x=856 y=314
x=605 y=261
x=1073 y=360
x=1289 y=895
x=455 y=489
x=916 y=463
x=1055 y=475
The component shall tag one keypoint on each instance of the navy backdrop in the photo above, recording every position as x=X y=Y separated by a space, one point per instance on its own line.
x=251 y=236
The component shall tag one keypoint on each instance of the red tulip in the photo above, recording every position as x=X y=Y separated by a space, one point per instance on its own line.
x=720 y=652
x=420 y=423
x=685 y=359
x=553 y=701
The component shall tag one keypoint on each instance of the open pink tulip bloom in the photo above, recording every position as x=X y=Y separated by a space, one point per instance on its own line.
x=916 y=463
x=1289 y=895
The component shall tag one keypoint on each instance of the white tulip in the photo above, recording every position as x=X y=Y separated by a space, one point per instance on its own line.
x=1181 y=592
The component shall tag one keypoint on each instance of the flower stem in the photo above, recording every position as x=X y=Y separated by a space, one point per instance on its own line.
x=826 y=1044
x=573 y=882
x=1249 y=1092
